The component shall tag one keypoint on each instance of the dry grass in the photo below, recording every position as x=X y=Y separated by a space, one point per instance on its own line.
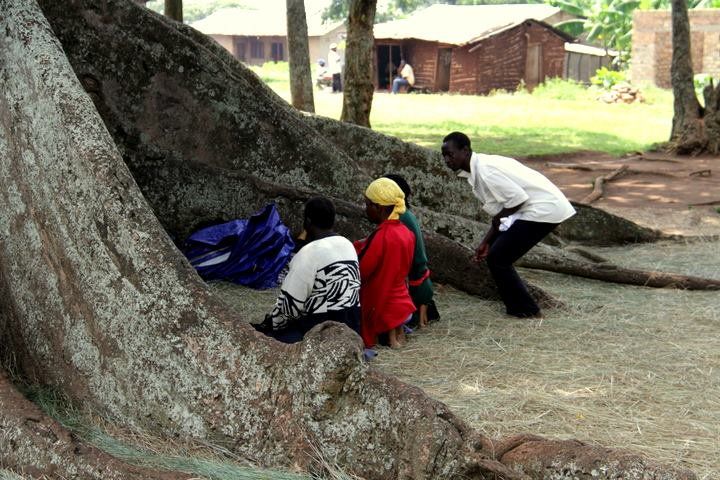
x=623 y=366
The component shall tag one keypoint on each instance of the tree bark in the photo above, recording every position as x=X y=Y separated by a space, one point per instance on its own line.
x=174 y=10
x=358 y=80
x=694 y=129
x=33 y=444
x=543 y=258
x=96 y=302
x=301 y=85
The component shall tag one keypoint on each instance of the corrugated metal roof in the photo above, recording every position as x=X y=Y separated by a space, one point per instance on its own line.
x=265 y=18
x=461 y=24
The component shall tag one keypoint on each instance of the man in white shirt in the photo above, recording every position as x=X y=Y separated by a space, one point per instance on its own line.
x=405 y=77
x=335 y=67
x=524 y=205
x=322 y=283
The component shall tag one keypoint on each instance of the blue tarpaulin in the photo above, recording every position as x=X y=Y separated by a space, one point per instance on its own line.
x=249 y=252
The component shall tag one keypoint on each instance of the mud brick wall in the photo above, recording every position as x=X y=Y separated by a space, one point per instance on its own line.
x=422 y=56
x=499 y=62
x=652 y=45
x=553 y=49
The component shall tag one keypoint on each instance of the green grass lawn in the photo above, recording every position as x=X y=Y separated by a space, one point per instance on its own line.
x=559 y=117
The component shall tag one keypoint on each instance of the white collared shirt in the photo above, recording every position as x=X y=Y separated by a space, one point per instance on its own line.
x=503 y=182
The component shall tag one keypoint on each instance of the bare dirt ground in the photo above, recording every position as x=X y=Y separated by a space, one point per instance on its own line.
x=678 y=195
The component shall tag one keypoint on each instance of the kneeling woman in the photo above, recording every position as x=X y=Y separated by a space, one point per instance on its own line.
x=385 y=260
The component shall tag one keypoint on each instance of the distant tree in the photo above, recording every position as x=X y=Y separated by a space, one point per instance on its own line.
x=358 y=85
x=695 y=129
x=174 y=9
x=301 y=87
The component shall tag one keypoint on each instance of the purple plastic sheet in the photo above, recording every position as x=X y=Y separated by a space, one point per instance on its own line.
x=250 y=252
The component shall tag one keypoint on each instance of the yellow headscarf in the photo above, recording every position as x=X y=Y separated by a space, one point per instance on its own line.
x=385 y=192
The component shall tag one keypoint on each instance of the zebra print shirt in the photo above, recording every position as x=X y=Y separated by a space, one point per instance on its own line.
x=323 y=277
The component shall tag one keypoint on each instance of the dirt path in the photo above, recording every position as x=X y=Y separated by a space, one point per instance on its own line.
x=658 y=190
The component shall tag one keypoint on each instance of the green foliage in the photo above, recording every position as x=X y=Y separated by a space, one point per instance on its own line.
x=606 y=78
x=606 y=22
x=559 y=89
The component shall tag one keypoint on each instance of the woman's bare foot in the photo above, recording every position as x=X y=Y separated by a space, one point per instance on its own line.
x=422 y=316
x=400 y=334
x=393 y=339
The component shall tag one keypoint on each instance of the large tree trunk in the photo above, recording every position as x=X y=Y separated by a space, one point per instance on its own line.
x=174 y=10
x=96 y=301
x=301 y=86
x=694 y=129
x=358 y=88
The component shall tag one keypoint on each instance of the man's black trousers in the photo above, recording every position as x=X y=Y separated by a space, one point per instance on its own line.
x=506 y=248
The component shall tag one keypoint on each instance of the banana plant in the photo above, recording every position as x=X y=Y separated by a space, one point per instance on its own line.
x=604 y=22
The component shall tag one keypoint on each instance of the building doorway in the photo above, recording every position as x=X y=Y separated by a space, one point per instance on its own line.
x=533 y=66
x=388 y=59
x=443 y=69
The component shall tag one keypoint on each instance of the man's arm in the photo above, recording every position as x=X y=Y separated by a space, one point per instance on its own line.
x=481 y=252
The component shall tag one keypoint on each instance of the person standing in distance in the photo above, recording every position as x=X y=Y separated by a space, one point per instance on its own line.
x=525 y=207
x=335 y=67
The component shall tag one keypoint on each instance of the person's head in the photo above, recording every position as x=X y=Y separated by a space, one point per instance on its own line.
x=403 y=184
x=402 y=64
x=333 y=46
x=456 y=151
x=319 y=216
x=384 y=200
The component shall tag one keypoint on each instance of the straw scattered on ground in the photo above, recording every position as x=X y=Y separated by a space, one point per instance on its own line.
x=626 y=367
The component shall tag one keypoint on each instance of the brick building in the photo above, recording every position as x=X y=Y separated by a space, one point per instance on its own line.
x=258 y=35
x=652 y=45
x=473 y=49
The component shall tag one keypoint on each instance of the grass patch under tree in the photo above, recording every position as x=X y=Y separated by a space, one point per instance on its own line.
x=557 y=117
